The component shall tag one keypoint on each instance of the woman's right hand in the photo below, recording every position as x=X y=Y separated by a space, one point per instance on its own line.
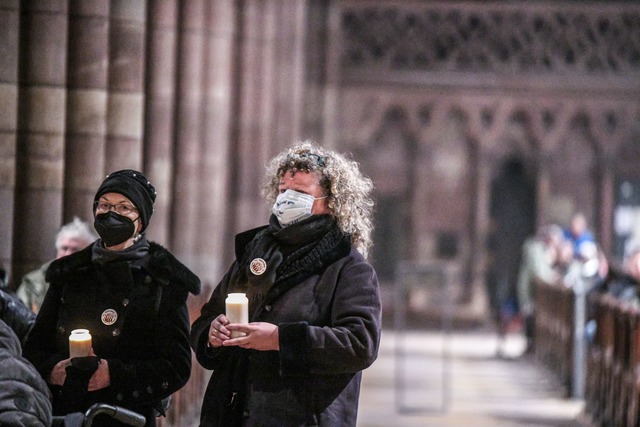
x=218 y=332
x=59 y=373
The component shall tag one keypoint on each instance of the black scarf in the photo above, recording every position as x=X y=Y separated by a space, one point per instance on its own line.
x=291 y=254
x=114 y=268
x=102 y=255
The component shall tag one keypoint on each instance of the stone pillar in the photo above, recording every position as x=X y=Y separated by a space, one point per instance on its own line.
x=270 y=66
x=255 y=126
x=543 y=196
x=41 y=127
x=315 y=53
x=251 y=147
x=289 y=72
x=86 y=105
x=188 y=134
x=485 y=159
x=606 y=205
x=218 y=85
x=126 y=85
x=160 y=109
x=9 y=37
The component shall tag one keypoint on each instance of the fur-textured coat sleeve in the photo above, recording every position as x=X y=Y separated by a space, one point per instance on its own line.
x=24 y=396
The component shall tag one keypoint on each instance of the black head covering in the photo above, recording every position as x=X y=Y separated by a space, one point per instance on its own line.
x=135 y=187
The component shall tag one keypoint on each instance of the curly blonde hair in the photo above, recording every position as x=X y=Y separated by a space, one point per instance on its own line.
x=347 y=189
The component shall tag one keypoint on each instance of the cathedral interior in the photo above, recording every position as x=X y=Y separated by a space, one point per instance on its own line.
x=477 y=122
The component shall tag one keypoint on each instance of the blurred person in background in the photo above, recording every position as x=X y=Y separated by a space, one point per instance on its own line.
x=540 y=255
x=71 y=238
x=624 y=282
x=578 y=233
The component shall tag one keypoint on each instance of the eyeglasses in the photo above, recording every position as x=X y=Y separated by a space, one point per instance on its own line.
x=69 y=248
x=302 y=157
x=121 y=208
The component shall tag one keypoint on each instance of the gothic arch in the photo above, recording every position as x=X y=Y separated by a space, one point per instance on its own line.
x=388 y=159
x=575 y=170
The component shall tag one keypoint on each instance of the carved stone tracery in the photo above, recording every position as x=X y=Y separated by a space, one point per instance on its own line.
x=491 y=38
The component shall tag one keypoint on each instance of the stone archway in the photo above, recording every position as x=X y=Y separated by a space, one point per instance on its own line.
x=512 y=218
x=387 y=160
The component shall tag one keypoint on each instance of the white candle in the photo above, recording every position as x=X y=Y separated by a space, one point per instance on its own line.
x=237 y=307
x=79 y=343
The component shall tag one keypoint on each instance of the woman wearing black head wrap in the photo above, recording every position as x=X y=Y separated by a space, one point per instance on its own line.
x=131 y=295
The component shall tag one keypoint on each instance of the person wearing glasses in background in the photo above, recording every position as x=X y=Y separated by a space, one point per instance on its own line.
x=131 y=295
x=71 y=238
x=314 y=302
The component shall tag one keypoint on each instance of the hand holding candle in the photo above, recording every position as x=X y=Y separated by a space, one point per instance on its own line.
x=79 y=343
x=237 y=311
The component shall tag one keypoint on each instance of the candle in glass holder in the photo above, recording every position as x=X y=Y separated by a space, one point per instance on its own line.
x=79 y=343
x=237 y=307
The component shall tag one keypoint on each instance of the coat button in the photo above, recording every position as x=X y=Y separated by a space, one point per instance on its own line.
x=165 y=385
x=148 y=279
x=115 y=332
x=61 y=329
x=150 y=390
x=267 y=307
x=62 y=300
x=120 y=397
x=125 y=302
x=135 y=394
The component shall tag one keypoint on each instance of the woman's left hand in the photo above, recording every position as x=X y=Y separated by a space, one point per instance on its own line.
x=100 y=378
x=261 y=336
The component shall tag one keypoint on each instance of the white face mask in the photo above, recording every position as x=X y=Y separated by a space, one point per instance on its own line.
x=292 y=206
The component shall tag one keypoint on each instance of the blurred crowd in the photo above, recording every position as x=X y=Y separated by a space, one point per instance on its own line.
x=571 y=256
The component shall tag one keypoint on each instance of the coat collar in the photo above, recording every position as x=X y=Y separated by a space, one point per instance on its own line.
x=161 y=264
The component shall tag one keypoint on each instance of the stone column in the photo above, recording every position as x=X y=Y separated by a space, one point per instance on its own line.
x=41 y=127
x=250 y=148
x=289 y=72
x=255 y=112
x=606 y=205
x=126 y=85
x=86 y=105
x=486 y=163
x=184 y=215
x=159 y=130
x=543 y=196
x=270 y=67
x=315 y=53
x=218 y=86
x=9 y=37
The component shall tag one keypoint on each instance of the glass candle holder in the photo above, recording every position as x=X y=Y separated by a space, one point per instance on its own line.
x=237 y=311
x=79 y=343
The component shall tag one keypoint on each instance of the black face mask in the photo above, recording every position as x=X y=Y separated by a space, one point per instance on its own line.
x=114 y=228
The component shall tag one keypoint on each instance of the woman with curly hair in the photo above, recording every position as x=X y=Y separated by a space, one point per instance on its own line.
x=314 y=302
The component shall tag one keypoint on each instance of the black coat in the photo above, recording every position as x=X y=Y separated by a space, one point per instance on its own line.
x=329 y=326
x=147 y=347
x=14 y=313
x=24 y=396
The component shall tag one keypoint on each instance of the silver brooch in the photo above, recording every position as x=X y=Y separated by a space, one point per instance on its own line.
x=109 y=316
x=258 y=266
